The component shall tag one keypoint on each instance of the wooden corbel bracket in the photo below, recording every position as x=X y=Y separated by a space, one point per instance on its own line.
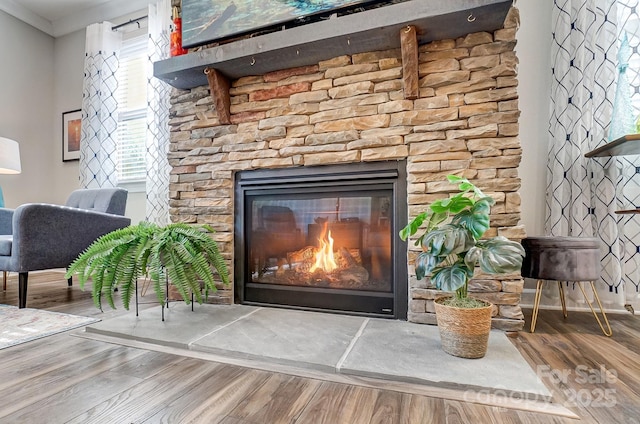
x=409 y=48
x=219 y=90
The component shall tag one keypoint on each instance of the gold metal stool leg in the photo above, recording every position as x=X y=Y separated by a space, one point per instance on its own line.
x=604 y=316
x=536 y=305
x=562 y=299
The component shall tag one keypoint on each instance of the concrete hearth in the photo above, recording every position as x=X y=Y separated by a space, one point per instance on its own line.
x=394 y=351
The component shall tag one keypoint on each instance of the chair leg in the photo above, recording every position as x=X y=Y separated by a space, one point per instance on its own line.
x=536 y=305
x=4 y=280
x=70 y=281
x=562 y=299
x=22 y=289
x=607 y=332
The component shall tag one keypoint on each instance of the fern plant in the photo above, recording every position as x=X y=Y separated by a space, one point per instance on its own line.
x=182 y=253
x=452 y=244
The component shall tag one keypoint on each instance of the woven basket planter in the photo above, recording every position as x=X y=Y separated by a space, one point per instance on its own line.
x=464 y=332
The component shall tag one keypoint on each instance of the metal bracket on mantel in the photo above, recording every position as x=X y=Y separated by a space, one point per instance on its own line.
x=219 y=90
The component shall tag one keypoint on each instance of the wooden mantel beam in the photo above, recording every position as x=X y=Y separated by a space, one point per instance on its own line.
x=409 y=48
x=219 y=90
x=304 y=45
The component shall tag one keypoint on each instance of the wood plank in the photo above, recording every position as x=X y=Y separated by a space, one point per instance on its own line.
x=529 y=418
x=627 y=332
x=63 y=405
x=28 y=395
x=387 y=407
x=359 y=405
x=326 y=405
x=597 y=379
x=219 y=89
x=38 y=354
x=279 y=400
x=338 y=403
x=211 y=399
x=149 y=365
x=463 y=413
x=507 y=416
x=125 y=405
x=409 y=49
x=232 y=420
x=422 y=409
x=570 y=354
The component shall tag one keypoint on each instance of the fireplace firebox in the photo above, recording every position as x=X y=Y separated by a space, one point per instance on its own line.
x=323 y=238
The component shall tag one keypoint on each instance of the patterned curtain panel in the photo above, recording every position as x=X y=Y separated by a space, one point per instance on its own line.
x=629 y=184
x=158 y=93
x=583 y=194
x=98 y=152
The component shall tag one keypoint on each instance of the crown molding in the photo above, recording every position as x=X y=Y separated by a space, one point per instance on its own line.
x=112 y=11
x=27 y=16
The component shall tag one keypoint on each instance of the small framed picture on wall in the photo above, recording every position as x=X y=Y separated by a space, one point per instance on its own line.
x=71 y=135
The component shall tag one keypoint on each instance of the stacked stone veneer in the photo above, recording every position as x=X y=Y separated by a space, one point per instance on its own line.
x=351 y=109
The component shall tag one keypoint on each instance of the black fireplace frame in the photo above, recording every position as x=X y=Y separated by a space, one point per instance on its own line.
x=366 y=175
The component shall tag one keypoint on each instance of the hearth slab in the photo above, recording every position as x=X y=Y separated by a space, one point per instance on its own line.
x=411 y=352
x=179 y=329
x=299 y=338
x=339 y=344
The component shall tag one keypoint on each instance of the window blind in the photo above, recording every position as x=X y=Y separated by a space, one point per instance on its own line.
x=132 y=107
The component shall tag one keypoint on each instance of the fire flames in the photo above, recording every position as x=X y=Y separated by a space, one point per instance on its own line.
x=325 y=259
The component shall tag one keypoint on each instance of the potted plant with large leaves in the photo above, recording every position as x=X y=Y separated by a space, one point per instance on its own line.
x=452 y=246
x=181 y=253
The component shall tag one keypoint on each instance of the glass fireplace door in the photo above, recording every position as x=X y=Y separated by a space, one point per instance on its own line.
x=320 y=245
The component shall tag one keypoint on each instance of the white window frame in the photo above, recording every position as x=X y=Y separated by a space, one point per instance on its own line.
x=134 y=46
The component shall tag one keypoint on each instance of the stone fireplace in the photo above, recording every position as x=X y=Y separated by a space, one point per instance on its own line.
x=347 y=111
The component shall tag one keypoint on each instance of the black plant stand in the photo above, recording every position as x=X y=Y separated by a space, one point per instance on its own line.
x=166 y=298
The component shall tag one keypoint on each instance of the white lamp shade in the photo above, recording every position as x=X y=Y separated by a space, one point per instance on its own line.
x=9 y=156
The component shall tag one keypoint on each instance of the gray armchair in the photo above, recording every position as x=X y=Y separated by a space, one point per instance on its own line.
x=38 y=236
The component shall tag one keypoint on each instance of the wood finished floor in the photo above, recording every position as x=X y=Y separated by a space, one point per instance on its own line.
x=66 y=379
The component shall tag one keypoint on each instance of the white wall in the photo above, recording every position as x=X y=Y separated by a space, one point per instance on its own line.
x=26 y=99
x=68 y=75
x=534 y=88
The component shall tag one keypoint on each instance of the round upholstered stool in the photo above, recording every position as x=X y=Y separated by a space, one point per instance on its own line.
x=575 y=259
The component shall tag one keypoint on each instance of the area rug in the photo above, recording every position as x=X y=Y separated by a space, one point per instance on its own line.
x=23 y=325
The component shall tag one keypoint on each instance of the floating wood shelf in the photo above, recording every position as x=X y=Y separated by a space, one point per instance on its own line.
x=370 y=30
x=625 y=145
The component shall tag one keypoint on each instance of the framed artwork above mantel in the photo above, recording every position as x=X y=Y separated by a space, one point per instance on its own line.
x=204 y=21
x=71 y=126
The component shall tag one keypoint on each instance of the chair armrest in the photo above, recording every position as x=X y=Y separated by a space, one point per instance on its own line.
x=6 y=221
x=51 y=236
